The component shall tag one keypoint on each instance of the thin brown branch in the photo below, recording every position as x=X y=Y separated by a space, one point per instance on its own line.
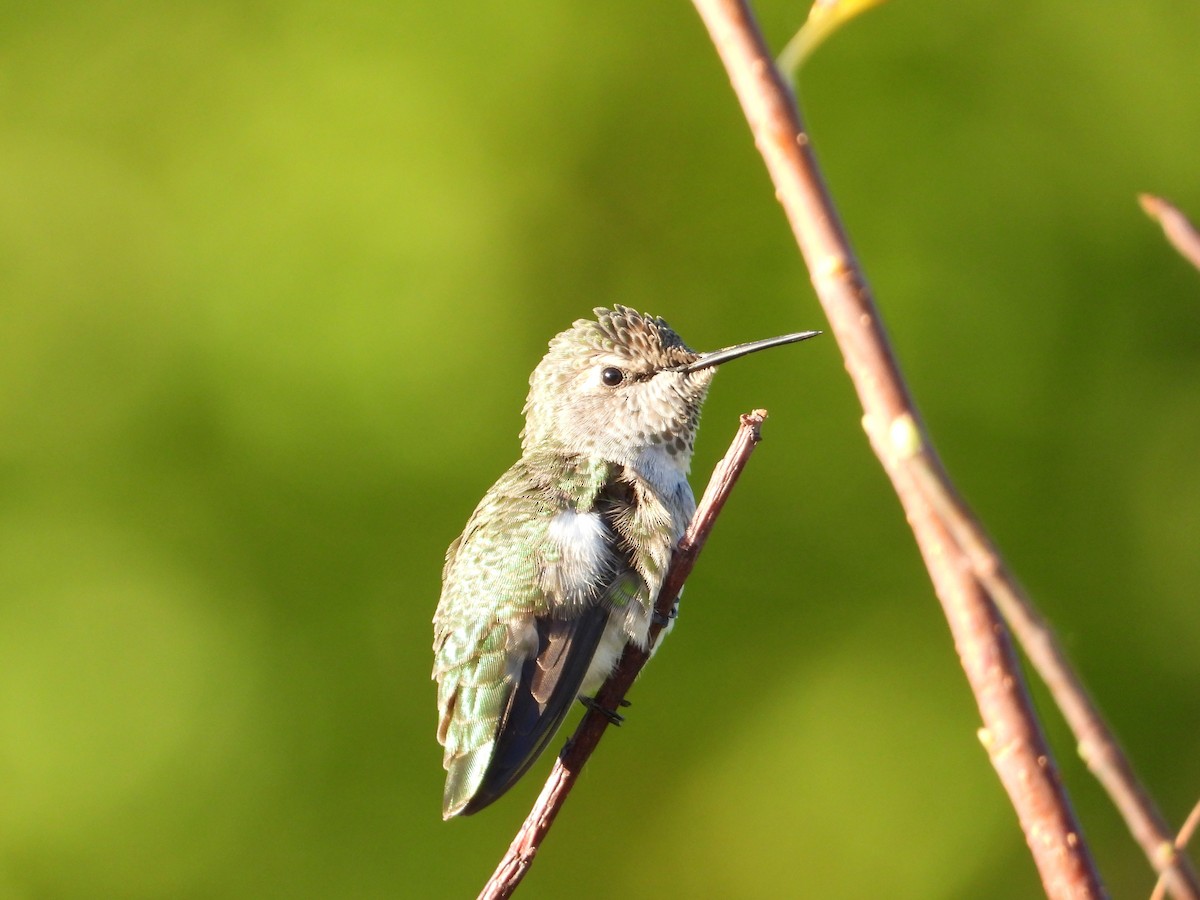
x=1190 y=824
x=1095 y=741
x=525 y=845
x=1011 y=733
x=1180 y=232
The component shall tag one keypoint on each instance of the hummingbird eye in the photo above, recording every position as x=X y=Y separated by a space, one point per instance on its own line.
x=612 y=376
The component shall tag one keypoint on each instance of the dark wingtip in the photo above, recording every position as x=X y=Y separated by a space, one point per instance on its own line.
x=457 y=802
x=477 y=779
x=465 y=783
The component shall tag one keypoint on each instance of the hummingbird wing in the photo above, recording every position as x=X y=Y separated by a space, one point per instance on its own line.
x=538 y=703
x=545 y=565
x=548 y=686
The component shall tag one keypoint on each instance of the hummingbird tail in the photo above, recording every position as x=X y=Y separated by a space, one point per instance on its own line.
x=536 y=708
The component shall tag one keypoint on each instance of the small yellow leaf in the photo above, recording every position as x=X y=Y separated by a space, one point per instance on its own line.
x=825 y=17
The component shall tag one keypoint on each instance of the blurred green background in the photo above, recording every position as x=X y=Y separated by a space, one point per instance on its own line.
x=273 y=277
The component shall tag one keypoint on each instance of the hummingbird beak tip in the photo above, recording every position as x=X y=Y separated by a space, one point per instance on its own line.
x=716 y=357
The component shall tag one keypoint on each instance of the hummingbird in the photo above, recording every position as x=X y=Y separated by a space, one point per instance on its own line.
x=561 y=562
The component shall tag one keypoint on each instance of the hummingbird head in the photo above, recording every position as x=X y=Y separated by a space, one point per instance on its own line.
x=625 y=388
x=616 y=387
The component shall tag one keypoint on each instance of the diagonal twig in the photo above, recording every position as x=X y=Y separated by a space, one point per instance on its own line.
x=904 y=449
x=591 y=728
x=1012 y=735
x=1182 y=234
x=1095 y=741
x=1190 y=824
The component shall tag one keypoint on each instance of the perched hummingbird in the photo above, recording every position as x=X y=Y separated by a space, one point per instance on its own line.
x=561 y=562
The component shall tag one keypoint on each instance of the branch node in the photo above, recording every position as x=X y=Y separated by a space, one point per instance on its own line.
x=1165 y=854
x=905 y=436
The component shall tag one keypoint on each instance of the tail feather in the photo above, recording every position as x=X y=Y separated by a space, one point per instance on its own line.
x=536 y=708
x=464 y=775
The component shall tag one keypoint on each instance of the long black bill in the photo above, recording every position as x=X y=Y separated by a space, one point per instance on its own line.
x=716 y=357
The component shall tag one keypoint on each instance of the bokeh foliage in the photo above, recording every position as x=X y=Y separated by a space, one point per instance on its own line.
x=272 y=278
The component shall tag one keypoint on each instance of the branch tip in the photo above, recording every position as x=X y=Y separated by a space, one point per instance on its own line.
x=1179 y=230
x=524 y=847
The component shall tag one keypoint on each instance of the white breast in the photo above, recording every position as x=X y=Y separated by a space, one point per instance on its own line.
x=581 y=541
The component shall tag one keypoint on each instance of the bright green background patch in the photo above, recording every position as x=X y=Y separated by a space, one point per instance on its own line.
x=272 y=278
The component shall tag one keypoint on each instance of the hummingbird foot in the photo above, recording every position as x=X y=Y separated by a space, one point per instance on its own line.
x=663 y=621
x=612 y=715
